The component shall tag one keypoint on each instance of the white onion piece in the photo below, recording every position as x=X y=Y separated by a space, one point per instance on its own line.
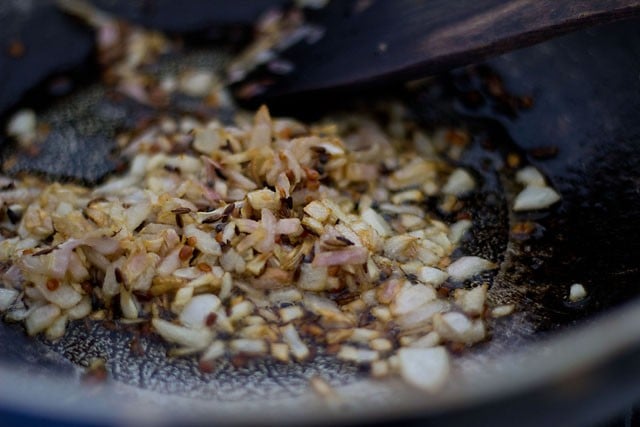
x=170 y=263
x=41 y=318
x=214 y=351
x=110 y=285
x=268 y=223
x=22 y=124
x=289 y=226
x=128 y=304
x=287 y=314
x=195 y=312
x=357 y=355
x=57 y=328
x=432 y=339
x=425 y=368
x=187 y=337
x=532 y=198
x=329 y=310
x=64 y=296
x=472 y=301
x=377 y=222
x=249 y=346
x=299 y=349
x=432 y=276
x=502 y=310
x=207 y=140
x=458 y=230
x=196 y=83
x=77 y=270
x=80 y=310
x=137 y=213
x=468 y=266
x=530 y=176
x=459 y=183
x=457 y=327
x=313 y=278
x=241 y=310
x=7 y=297
x=411 y=297
x=188 y=273
x=577 y=292
x=422 y=316
x=205 y=242
x=13 y=277
x=18 y=314
x=349 y=256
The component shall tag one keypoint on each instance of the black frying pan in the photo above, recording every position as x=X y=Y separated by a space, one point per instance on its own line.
x=552 y=363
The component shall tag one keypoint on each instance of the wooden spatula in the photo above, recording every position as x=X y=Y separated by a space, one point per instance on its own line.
x=369 y=41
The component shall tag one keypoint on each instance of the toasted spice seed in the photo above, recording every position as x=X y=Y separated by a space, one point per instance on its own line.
x=181 y=211
x=525 y=102
x=16 y=49
x=288 y=201
x=118 y=274
x=45 y=251
x=457 y=347
x=544 y=152
x=443 y=292
x=95 y=374
x=513 y=160
x=211 y=319
x=522 y=230
x=87 y=287
x=185 y=252
x=345 y=240
x=192 y=240
x=52 y=284
x=204 y=267
x=136 y=347
x=179 y=222
x=239 y=360
x=229 y=209
x=211 y=219
x=207 y=366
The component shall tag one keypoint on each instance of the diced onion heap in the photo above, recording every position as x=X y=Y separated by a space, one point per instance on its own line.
x=267 y=238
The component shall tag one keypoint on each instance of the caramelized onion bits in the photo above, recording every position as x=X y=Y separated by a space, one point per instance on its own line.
x=267 y=238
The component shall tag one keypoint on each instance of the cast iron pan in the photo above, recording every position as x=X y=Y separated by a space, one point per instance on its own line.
x=552 y=363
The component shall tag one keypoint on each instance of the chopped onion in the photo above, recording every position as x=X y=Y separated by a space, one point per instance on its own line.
x=299 y=350
x=7 y=297
x=313 y=278
x=534 y=197
x=425 y=368
x=457 y=327
x=472 y=301
x=530 y=176
x=468 y=266
x=41 y=318
x=432 y=276
x=248 y=346
x=187 y=337
x=348 y=256
x=198 y=309
x=411 y=297
x=357 y=355
x=577 y=292
x=460 y=182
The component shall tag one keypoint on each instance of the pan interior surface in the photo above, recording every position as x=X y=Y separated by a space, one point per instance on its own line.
x=588 y=148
